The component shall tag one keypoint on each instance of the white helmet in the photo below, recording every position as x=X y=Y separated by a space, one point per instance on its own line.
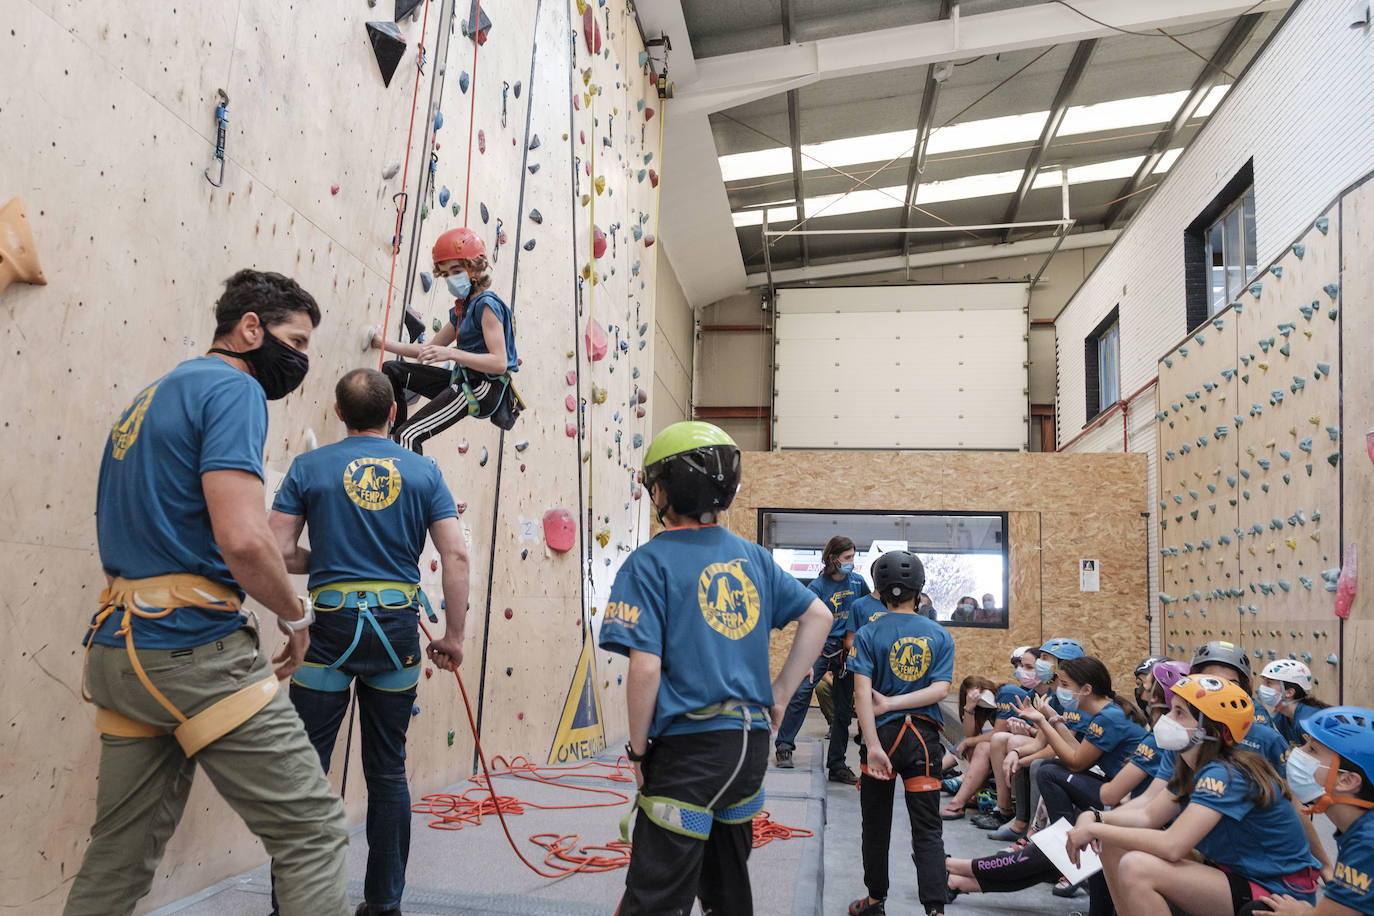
x=1016 y=656
x=1290 y=671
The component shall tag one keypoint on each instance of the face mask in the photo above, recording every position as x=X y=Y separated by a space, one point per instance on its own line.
x=1044 y=671
x=987 y=700
x=278 y=368
x=1170 y=736
x=1302 y=775
x=1026 y=679
x=1269 y=696
x=1067 y=698
x=846 y=568
x=460 y=285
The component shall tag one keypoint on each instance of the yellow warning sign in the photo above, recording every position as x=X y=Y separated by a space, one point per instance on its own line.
x=580 y=733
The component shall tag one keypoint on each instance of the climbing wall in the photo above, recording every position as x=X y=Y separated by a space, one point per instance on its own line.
x=530 y=138
x=1250 y=470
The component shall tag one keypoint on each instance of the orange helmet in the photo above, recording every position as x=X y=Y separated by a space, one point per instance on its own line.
x=1219 y=700
x=458 y=244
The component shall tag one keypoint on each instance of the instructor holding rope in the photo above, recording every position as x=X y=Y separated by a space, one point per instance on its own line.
x=693 y=610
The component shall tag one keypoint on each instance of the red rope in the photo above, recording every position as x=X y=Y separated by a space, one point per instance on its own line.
x=475 y=28
x=405 y=177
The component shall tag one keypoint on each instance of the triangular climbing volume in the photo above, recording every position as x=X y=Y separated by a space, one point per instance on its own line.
x=404 y=8
x=388 y=45
x=581 y=735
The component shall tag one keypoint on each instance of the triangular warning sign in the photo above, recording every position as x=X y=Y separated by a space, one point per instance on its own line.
x=580 y=735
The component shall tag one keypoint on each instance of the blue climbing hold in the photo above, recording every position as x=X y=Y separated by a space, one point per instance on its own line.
x=1277 y=270
x=438 y=119
x=463 y=81
x=1322 y=224
x=1299 y=250
x=426 y=280
x=1331 y=289
x=1256 y=288
x=485 y=215
x=529 y=246
x=444 y=196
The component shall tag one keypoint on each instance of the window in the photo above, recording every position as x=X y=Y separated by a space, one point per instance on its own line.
x=964 y=555
x=1102 y=358
x=1231 y=252
x=1219 y=251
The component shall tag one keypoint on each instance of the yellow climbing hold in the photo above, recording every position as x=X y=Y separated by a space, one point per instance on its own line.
x=603 y=537
x=1315 y=419
x=581 y=7
x=600 y=183
x=587 y=77
x=1292 y=543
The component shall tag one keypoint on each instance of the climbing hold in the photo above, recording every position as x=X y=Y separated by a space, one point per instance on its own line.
x=1277 y=271
x=455 y=208
x=1322 y=223
x=600 y=184
x=640 y=176
x=391 y=168
x=333 y=189
x=509 y=613
x=1307 y=310
x=598 y=242
x=1331 y=289
x=482 y=461
x=1256 y=288
x=570 y=430
x=516 y=89
x=596 y=341
x=648 y=243
x=481 y=141
x=443 y=196
x=533 y=167
x=485 y=215
x=1333 y=459
x=570 y=402
x=463 y=81
x=598 y=394
x=463 y=447
x=388 y=47
x=653 y=178
x=522 y=445
x=438 y=119
x=437 y=325
x=534 y=142
x=460 y=507
x=426 y=281
x=529 y=246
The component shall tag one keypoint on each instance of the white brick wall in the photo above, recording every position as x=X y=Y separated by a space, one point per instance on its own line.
x=1304 y=113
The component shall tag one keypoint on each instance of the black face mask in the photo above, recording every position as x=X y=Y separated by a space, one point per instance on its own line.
x=278 y=368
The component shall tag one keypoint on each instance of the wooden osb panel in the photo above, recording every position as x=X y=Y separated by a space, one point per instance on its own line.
x=1357 y=518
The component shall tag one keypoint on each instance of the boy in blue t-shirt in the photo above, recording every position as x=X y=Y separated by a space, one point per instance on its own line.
x=902 y=665
x=693 y=610
x=839 y=587
x=369 y=504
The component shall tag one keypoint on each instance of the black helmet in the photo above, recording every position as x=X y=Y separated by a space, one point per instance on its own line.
x=1220 y=652
x=1147 y=666
x=697 y=465
x=898 y=575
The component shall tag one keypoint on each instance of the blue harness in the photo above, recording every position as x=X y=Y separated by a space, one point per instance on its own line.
x=364 y=598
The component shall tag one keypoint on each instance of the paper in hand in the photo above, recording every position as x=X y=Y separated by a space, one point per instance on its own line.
x=1053 y=840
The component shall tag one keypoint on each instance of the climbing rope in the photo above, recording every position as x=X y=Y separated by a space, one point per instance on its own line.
x=658 y=211
x=475 y=28
x=405 y=175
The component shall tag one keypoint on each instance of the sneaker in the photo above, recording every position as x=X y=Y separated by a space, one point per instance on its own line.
x=985 y=801
x=1006 y=833
x=991 y=820
x=867 y=906
x=784 y=758
x=846 y=776
x=367 y=909
x=1062 y=888
x=951 y=786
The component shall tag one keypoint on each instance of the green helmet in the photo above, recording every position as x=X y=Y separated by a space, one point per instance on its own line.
x=697 y=466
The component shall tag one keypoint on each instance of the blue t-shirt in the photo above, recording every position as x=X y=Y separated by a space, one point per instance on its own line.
x=369 y=503
x=1147 y=756
x=1261 y=714
x=704 y=601
x=1076 y=720
x=865 y=610
x=1351 y=884
x=1291 y=729
x=1268 y=743
x=901 y=654
x=469 y=326
x=151 y=516
x=839 y=596
x=1263 y=844
x=1116 y=735
x=1009 y=697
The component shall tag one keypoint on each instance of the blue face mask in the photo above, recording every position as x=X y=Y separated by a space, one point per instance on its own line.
x=1044 y=670
x=1067 y=698
x=1302 y=776
x=1269 y=696
x=460 y=285
x=846 y=568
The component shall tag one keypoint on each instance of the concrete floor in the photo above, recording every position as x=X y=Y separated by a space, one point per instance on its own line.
x=472 y=871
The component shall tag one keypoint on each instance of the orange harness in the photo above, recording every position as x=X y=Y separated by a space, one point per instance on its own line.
x=152 y=599
x=926 y=783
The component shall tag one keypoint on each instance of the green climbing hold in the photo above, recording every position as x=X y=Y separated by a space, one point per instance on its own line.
x=1333 y=459
x=450 y=737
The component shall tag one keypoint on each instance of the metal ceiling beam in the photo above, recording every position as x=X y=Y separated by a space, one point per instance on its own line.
x=1211 y=71
x=1058 y=108
x=892 y=263
x=794 y=137
x=728 y=80
x=925 y=121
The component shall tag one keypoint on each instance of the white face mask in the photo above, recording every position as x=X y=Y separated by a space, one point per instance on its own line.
x=987 y=700
x=1302 y=776
x=1170 y=736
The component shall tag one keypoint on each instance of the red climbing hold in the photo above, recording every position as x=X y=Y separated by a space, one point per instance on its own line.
x=582 y=135
x=333 y=189
x=571 y=430
x=598 y=242
x=653 y=178
x=641 y=396
x=648 y=114
x=481 y=141
x=571 y=377
x=596 y=341
x=461 y=507
x=560 y=530
x=433 y=565
x=588 y=28
x=639 y=413
x=570 y=402
x=509 y=613
x=463 y=447
x=648 y=241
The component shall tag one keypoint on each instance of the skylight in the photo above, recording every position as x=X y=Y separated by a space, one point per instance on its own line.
x=1002 y=131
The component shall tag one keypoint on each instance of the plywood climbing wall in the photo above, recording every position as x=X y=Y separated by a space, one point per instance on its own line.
x=105 y=131
x=1250 y=470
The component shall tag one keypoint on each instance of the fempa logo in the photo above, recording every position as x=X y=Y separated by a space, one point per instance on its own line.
x=372 y=483
x=909 y=658
x=125 y=432
x=728 y=599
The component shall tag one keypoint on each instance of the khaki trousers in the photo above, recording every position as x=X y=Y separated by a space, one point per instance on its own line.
x=265 y=769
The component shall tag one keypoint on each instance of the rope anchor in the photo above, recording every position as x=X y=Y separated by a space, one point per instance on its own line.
x=222 y=123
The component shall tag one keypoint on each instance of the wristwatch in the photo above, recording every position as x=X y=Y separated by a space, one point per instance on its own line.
x=295 y=626
x=633 y=757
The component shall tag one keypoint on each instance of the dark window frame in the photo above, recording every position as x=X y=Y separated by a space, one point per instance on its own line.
x=1196 y=264
x=1092 y=376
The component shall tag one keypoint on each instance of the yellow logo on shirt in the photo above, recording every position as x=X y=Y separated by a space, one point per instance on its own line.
x=1211 y=786
x=910 y=658
x=728 y=599
x=1145 y=751
x=372 y=483
x=1352 y=877
x=1095 y=730
x=125 y=432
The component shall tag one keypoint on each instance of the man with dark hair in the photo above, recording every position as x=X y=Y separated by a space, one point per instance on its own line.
x=369 y=503
x=171 y=662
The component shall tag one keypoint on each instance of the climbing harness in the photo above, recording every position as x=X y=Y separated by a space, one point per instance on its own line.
x=222 y=123
x=364 y=597
x=695 y=820
x=926 y=783
x=154 y=598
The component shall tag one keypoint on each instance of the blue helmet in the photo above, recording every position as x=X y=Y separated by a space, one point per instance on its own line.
x=1063 y=648
x=1348 y=731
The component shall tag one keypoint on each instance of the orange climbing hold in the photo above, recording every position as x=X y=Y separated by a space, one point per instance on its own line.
x=18 y=258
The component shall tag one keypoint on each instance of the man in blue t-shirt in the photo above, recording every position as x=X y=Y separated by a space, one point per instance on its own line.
x=839 y=586
x=902 y=665
x=693 y=610
x=182 y=537
x=369 y=503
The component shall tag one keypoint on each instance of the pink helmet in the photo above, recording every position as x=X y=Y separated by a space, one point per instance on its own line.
x=1169 y=673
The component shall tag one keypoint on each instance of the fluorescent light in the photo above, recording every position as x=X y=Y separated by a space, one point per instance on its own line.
x=776 y=216
x=988 y=132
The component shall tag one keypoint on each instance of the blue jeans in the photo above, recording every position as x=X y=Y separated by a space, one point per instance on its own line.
x=383 y=717
x=832 y=660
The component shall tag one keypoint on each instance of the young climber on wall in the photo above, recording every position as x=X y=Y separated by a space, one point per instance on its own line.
x=902 y=666
x=1223 y=801
x=839 y=587
x=1331 y=774
x=483 y=328
x=693 y=609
